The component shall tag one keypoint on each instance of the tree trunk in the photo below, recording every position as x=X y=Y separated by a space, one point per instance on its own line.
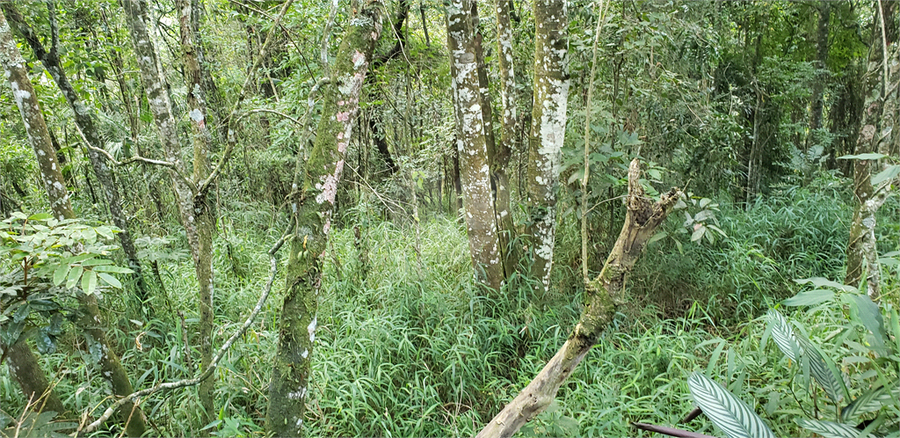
x=507 y=235
x=24 y=367
x=193 y=206
x=313 y=204
x=874 y=136
x=817 y=100
x=603 y=295
x=88 y=320
x=205 y=218
x=84 y=119
x=472 y=145
x=548 y=130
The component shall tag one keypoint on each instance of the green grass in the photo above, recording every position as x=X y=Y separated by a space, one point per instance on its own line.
x=414 y=349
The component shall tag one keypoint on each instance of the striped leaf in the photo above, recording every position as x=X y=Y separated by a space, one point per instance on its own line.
x=824 y=372
x=830 y=429
x=869 y=401
x=783 y=335
x=725 y=410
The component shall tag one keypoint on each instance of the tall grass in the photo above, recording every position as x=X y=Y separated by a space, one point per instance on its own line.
x=413 y=348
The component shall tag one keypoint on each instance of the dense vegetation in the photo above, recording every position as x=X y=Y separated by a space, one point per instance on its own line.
x=775 y=275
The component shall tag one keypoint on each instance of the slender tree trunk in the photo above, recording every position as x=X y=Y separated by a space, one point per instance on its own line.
x=881 y=113
x=472 y=145
x=511 y=255
x=84 y=119
x=818 y=102
x=88 y=319
x=603 y=296
x=205 y=218
x=313 y=205
x=194 y=207
x=548 y=130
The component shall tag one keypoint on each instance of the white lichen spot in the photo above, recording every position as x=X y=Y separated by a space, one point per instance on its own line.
x=196 y=115
x=311 y=328
x=304 y=354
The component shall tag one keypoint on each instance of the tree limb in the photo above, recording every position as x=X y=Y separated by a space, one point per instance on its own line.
x=273 y=268
x=602 y=295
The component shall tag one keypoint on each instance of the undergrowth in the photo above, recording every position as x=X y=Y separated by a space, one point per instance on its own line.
x=409 y=347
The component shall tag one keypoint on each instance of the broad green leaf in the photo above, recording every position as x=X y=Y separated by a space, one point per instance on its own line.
x=74 y=275
x=698 y=233
x=658 y=236
x=717 y=229
x=704 y=202
x=830 y=429
x=110 y=280
x=821 y=282
x=870 y=317
x=726 y=411
x=809 y=298
x=106 y=232
x=869 y=156
x=783 y=335
x=112 y=269
x=89 y=282
x=40 y=217
x=59 y=275
x=887 y=174
x=868 y=401
x=96 y=262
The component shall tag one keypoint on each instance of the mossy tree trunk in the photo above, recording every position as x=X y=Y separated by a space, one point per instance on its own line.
x=84 y=119
x=25 y=369
x=876 y=135
x=193 y=203
x=548 y=129
x=88 y=319
x=507 y=144
x=602 y=296
x=312 y=202
x=473 y=144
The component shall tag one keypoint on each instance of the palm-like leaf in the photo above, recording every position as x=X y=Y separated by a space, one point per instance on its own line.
x=725 y=410
x=824 y=372
x=869 y=401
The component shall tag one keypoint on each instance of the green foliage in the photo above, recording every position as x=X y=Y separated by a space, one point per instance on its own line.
x=48 y=258
x=728 y=412
x=34 y=425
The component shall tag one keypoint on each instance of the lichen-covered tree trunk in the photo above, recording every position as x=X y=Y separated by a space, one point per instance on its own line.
x=193 y=205
x=874 y=136
x=312 y=202
x=603 y=295
x=24 y=367
x=548 y=130
x=472 y=145
x=202 y=140
x=88 y=320
x=506 y=145
x=84 y=119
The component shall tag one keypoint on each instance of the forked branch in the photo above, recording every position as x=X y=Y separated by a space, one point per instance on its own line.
x=603 y=295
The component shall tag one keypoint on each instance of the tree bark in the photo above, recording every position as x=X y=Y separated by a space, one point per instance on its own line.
x=603 y=296
x=817 y=100
x=24 y=367
x=548 y=130
x=472 y=145
x=88 y=319
x=875 y=136
x=511 y=255
x=312 y=202
x=193 y=205
x=84 y=119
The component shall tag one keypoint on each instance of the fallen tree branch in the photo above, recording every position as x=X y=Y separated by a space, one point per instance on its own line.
x=602 y=295
x=273 y=268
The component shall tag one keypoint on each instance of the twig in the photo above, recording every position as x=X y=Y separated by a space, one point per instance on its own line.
x=273 y=268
